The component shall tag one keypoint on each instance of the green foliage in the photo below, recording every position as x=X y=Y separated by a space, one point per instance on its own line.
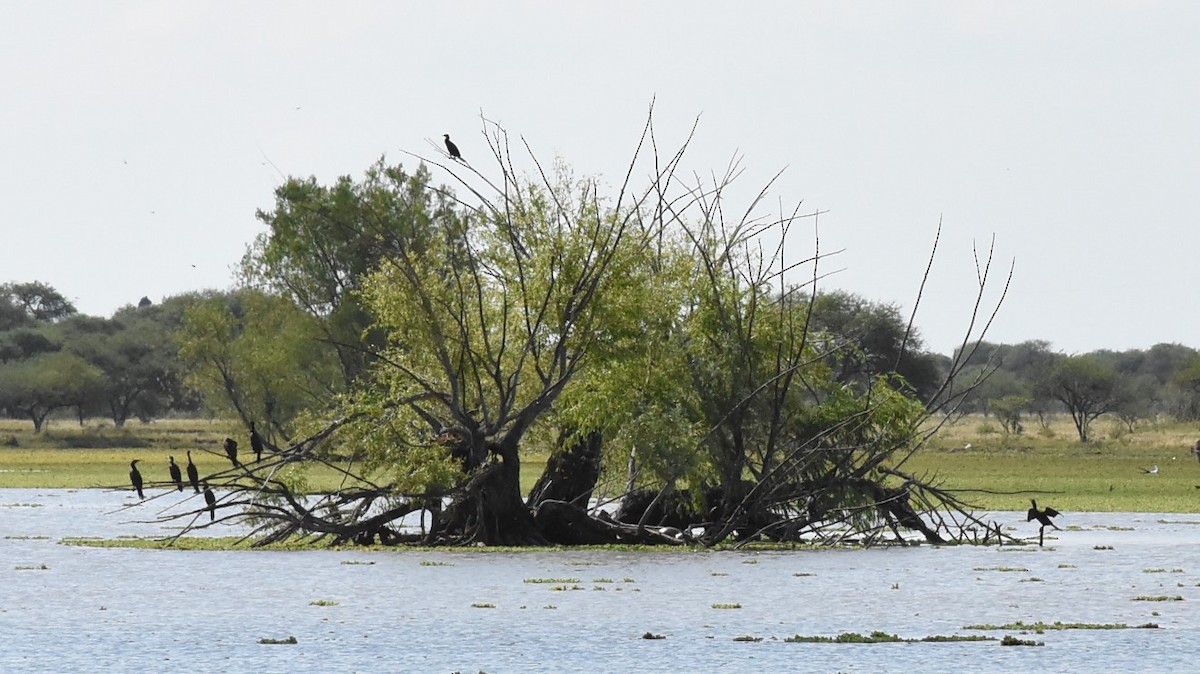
x=1008 y=411
x=37 y=386
x=31 y=301
x=869 y=339
x=324 y=240
x=258 y=357
x=1086 y=386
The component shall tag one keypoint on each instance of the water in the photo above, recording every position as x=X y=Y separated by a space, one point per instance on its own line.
x=98 y=610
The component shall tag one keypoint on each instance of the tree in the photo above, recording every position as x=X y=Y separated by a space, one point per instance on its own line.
x=37 y=300
x=136 y=357
x=26 y=342
x=1008 y=410
x=36 y=387
x=868 y=338
x=324 y=241
x=258 y=357
x=528 y=317
x=1086 y=386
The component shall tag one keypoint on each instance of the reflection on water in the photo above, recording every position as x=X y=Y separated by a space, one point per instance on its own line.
x=116 y=610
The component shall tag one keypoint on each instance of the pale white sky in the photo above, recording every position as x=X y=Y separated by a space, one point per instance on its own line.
x=133 y=134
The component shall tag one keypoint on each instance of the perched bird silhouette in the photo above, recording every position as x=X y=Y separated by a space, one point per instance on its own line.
x=452 y=148
x=1043 y=517
x=1152 y=470
x=256 y=443
x=211 y=500
x=135 y=477
x=231 y=451
x=176 y=476
x=193 y=474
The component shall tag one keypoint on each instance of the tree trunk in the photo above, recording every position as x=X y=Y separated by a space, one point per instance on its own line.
x=491 y=510
x=572 y=471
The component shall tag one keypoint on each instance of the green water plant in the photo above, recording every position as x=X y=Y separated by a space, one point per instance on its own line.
x=1010 y=640
x=878 y=637
x=1040 y=626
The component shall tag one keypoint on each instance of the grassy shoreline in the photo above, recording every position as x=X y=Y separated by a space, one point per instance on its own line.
x=1047 y=463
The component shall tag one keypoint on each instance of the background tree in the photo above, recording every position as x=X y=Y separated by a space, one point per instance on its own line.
x=37 y=300
x=258 y=357
x=868 y=339
x=1086 y=386
x=1009 y=409
x=322 y=242
x=36 y=387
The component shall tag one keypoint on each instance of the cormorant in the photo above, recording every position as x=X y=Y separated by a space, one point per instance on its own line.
x=256 y=442
x=231 y=451
x=1043 y=517
x=211 y=500
x=136 y=477
x=176 y=476
x=193 y=474
x=452 y=148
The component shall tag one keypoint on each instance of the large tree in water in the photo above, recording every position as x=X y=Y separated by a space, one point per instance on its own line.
x=645 y=339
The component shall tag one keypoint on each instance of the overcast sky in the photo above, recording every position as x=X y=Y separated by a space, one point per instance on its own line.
x=139 y=137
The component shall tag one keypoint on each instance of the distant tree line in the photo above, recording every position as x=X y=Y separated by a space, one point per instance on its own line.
x=272 y=351
x=1024 y=383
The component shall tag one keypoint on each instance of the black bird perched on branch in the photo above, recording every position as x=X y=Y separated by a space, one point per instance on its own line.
x=176 y=476
x=452 y=148
x=256 y=443
x=193 y=474
x=1043 y=517
x=231 y=451
x=136 y=477
x=211 y=500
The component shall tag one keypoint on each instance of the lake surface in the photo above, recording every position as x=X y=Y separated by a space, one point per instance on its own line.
x=92 y=609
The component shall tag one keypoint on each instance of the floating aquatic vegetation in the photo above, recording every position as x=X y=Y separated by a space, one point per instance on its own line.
x=322 y=602
x=483 y=606
x=1002 y=569
x=355 y=562
x=748 y=638
x=426 y=562
x=879 y=637
x=1158 y=598
x=551 y=581
x=726 y=606
x=1010 y=640
x=652 y=635
x=268 y=640
x=1040 y=626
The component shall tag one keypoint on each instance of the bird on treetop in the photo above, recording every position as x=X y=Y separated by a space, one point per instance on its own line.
x=452 y=148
